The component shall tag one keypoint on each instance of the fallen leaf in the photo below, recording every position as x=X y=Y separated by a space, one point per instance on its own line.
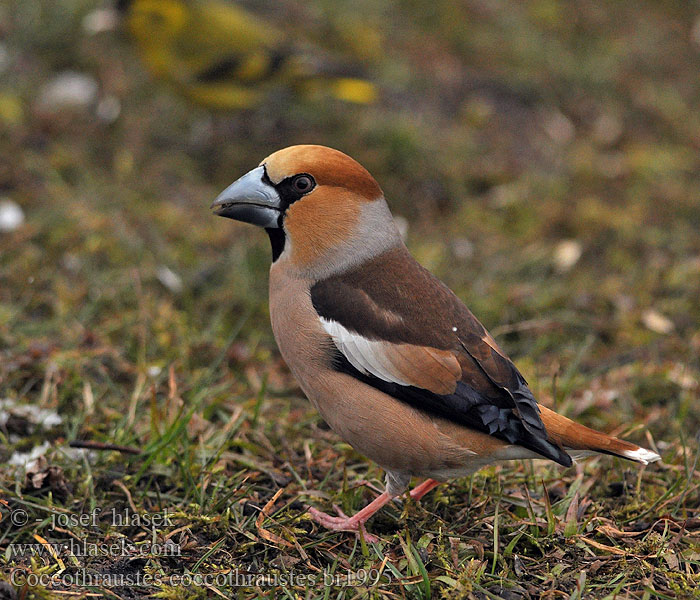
x=264 y=533
x=39 y=475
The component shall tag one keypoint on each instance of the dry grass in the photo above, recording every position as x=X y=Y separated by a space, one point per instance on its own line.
x=510 y=136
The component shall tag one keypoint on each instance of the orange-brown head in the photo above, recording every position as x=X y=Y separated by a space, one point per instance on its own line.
x=323 y=211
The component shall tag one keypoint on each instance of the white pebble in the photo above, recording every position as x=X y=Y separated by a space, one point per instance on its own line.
x=23 y=459
x=559 y=127
x=657 y=322
x=169 y=279
x=108 y=109
x=11 y=215
x=68 y=89
x=99 y=20
x=567 y=254
x=154 y=371
x=43 y=417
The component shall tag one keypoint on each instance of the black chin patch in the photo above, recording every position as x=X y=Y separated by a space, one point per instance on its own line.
x=288 y=196
x=277 y=239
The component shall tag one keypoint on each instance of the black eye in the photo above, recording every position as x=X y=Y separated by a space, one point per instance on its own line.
x=303 y=183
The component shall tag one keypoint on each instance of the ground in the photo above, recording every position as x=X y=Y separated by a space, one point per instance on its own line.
x=544 y=159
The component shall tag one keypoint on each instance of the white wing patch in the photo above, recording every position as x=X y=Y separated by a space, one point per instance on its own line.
x=367 y=356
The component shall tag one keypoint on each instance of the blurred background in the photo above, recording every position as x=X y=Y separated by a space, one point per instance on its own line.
x=542 y=157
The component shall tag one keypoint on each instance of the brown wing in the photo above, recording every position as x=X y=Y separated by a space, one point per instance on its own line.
x=435 y=370
x=401 y=330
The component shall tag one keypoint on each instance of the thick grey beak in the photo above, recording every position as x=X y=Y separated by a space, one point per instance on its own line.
x=251 y=200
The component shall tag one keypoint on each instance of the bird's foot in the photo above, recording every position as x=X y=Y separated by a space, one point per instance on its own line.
x=342 y=523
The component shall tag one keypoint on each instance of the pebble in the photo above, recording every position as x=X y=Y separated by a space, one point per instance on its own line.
x=169 y=279
x=68 y=89
x=567 y=254
x=657 y=322
x=11 y=215
x=99 y=20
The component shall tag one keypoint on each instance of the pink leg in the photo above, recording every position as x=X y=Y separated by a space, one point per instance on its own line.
x=356 y=522
x=422 y=489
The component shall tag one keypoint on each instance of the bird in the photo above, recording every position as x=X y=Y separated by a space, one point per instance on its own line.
x=223 y=57
x=390 y=357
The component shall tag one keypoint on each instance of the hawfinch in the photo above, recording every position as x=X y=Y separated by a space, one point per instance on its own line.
x=395 y=363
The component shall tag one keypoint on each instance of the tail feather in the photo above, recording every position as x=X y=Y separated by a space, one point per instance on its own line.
x=581 y=440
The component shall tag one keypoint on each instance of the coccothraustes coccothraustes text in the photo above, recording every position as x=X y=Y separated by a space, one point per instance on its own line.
x=395 y=363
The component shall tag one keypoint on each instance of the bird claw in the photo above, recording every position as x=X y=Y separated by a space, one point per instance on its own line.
x=341 y=523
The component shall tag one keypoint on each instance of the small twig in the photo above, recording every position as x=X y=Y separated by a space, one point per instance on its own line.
x=127 y=493
x=102 y=446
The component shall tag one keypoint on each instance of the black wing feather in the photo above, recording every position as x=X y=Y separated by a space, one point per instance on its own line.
x=227 y=68
x=467 y=407
x=417 y=308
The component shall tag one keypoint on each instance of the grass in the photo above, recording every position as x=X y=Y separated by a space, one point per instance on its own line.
x=506 y=136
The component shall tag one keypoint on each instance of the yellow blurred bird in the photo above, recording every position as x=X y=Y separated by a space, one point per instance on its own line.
x=223 y=57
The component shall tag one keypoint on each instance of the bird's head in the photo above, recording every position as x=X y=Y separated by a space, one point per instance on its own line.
x=322 y=210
